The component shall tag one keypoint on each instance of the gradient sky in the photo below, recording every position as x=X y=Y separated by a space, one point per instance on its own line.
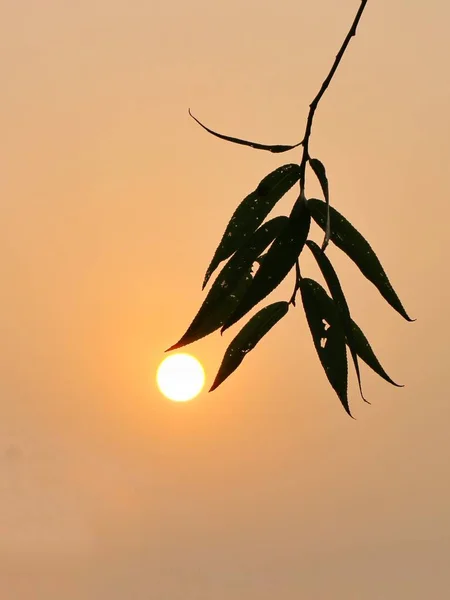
x=113 y=201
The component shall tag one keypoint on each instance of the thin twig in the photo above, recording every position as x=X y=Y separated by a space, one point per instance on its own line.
x=298 y=278
x=310 y=119
x=323 y=88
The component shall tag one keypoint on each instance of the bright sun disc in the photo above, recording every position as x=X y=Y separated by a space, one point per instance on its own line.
x=180 y=377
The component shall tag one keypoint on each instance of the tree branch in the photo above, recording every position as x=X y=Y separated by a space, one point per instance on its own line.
x=323 y=88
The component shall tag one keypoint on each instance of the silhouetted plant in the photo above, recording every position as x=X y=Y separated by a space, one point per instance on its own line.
x=275 y=246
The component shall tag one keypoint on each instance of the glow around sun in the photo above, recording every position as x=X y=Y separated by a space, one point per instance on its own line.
x=180 y=377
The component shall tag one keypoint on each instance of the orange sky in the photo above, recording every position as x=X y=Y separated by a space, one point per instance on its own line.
x=113 y=201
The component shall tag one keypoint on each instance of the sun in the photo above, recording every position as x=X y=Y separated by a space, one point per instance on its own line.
x=180 y=377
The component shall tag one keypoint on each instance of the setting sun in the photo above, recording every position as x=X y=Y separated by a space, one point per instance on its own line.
x=180 y=377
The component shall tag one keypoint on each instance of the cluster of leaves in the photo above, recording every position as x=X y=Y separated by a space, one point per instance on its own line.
x=273 y=246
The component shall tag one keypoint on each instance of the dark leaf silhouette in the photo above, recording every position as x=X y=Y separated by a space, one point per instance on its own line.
x=216 y=308
x=337 y=294
x=259 y=255
x=320 y=172
x=261 y=258
x=231 y=284
x=348 y=239
x=362 y=346
x=276 y=149
x=247 y=339
x=325 y=322
x=365 y=352
x=278 y=261
x=252 y=211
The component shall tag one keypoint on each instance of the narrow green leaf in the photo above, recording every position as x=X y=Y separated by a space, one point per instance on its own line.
x=278 y=261
x=348 y=239
x=321 y=174
x=248 y=337
x=365 y=352
x=252 y=211
x=231 y=284
x=328 y=334
x=337 y=294
x=276 y=149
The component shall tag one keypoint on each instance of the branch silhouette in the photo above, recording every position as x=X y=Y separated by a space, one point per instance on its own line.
x=326 y=82
x=275 y=246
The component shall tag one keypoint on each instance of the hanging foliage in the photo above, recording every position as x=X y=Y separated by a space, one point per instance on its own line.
x=276 y=247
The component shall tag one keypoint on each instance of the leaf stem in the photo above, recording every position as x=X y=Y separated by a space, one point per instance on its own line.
x=322 y=90
x=298 y=278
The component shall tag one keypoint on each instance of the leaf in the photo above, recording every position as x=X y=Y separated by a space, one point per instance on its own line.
x=362 y=346
x=328 y=334
x=319 y=170
x=365 y=352
x=278 y=261
x=277 y=149
x=261 y=258
x=214 y=311
x=248 y=337
x=231 y=284
x=252 y=211
x=337 y=294
x=348 y=239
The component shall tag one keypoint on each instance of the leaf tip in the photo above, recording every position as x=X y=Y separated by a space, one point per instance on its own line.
x=345 y=404
x=174 y=347
x=214 y=386
x=183 y=341
x=347 y=408
x=399 y=385
x=360 y=384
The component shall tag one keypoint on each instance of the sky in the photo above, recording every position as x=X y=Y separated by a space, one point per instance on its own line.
x=112 y=203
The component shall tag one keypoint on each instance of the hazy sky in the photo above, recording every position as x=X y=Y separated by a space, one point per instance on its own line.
x=113 y=201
